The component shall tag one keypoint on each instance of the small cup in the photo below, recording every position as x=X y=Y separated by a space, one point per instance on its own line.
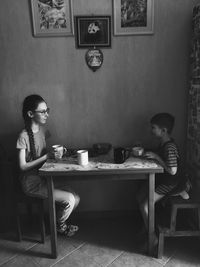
x=82 y=157
x=59 y=150
x=137 y=151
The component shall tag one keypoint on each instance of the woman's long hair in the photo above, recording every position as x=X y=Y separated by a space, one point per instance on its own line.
x=30 y=103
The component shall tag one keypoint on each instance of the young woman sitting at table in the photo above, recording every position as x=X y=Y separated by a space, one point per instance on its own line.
x=32 y=153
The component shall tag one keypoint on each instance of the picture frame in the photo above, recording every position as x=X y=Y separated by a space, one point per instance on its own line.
x=93 y=31
x=52 y=18
x=133 y=17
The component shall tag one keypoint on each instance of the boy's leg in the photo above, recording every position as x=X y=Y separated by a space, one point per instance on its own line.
x=144 y=212
x=142 y=192
x=144 y=207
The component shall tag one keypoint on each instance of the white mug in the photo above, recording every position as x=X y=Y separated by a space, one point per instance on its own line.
x=82 y=157
x=59 y=150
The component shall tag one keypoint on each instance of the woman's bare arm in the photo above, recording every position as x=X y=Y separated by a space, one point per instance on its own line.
x=25 y=166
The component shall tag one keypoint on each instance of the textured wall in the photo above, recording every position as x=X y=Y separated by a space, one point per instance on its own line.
x=140 y=75
x=193 y=137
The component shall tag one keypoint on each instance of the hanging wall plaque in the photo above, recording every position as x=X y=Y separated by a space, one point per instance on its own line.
x=94 y=58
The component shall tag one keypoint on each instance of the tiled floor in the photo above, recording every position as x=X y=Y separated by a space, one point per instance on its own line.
x=112 y=242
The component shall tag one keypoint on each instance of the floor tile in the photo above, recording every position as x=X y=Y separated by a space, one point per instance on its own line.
x=169 y=251
x=187 y=252
x=77 y=259
x=100 y=254
x=113 y=242
x=182 y=261
x=128 y=259
x=20 y=261
x=117 y=234
x=41 y=253
x=9 y=248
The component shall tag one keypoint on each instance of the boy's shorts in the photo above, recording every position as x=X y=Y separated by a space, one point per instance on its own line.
x=163 y=189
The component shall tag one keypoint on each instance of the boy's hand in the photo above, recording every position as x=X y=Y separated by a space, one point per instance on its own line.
x=151 y=155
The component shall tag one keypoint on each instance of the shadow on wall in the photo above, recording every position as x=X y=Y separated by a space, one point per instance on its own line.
x=6 y=184
x=8 y=146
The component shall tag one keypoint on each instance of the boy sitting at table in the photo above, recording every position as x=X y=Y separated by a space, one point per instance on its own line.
x=167 y=155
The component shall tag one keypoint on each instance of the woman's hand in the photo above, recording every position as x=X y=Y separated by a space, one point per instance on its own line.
x=50 y=154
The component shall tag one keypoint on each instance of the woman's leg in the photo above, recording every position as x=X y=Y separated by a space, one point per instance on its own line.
x=66 y=202
x=77 y=200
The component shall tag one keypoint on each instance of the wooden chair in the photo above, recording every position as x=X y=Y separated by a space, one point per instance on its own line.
x=21 y=199
x=11 y=186
x=29 y=202
x=193 y=226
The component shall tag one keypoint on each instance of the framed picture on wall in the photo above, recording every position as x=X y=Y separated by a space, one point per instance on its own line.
x=52 y=17
x=133 y=17
x=93 y=31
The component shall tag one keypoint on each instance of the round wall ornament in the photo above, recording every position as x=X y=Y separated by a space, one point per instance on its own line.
x=94 y=58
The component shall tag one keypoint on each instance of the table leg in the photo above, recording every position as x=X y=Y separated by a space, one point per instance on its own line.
x=151 y=212
x=52 y=217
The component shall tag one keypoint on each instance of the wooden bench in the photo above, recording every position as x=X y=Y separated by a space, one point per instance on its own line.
x=193 y=228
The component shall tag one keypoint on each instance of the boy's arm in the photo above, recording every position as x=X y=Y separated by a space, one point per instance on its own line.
x=169 y=169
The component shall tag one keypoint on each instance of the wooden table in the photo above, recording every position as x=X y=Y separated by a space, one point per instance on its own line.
x=101 y=168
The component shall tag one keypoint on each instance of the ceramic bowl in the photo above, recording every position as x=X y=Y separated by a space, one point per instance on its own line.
x=137 y=151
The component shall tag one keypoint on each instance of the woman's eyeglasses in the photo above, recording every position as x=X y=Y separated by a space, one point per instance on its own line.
x=43 y=112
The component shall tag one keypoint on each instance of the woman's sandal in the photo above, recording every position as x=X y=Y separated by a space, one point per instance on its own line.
x=71 y=230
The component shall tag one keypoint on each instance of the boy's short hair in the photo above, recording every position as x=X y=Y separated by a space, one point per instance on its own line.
x=164 y=120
